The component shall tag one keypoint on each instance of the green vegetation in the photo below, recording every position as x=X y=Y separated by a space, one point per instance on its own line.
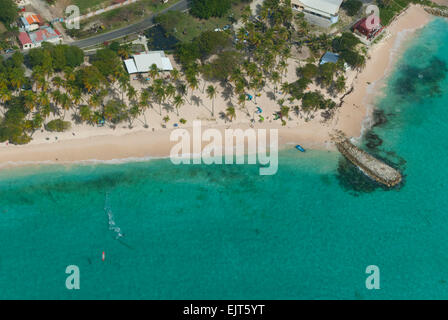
x=56 y=57
x=58 y=125
x=312 y=101
x=8 y=12
x=352 y=7
x=254 y=59
x=390 y=8
x=85 y=5
x=185 y=27
x=29 y=101
x=346 y=45
x=118 y=18
x=202 y=47
x=205 y=9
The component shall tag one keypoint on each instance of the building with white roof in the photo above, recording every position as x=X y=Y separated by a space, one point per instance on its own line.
x=326 y=9
x=141 y=63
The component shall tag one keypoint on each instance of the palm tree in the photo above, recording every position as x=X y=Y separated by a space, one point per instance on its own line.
x=124 y=51
x=66 y=102
x=58 y=82
x=44 y=103
x=178 y=102
x=160 y=96
x=182 y=89
x=5 y=95
x=283 y=68
x=285 y=88
x=242 y=102
x=123 y=83
x=175 y=74
x=340 y=84
x=85 y=113
x=131 y=93
x=193 y=83
x=17 y=78
x=170 y=90
x=211 y=93
x=144 y=101
x=230 y=113
x=56 y=96
x=29 y=100
x=153 y=71
x=275 y=77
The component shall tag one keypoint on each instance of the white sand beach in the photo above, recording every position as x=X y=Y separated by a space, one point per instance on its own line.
x=89 y=143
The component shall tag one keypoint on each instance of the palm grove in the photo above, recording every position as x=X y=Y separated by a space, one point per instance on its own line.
x=253 y=60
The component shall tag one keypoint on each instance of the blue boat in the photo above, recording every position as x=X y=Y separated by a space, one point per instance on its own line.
x=300 y=148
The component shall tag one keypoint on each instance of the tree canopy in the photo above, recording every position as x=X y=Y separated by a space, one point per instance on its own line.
x=205 y=9
x=8 y=12
x=352 y=7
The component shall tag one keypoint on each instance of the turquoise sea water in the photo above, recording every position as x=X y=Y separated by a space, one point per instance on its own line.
x=194 y=232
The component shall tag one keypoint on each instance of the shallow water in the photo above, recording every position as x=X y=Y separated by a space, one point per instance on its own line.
x=220 y=232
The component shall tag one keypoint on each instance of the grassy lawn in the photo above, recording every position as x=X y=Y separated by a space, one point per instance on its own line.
x=120 y=17
x=395 y=7
x=185 y=27
x=84 y=5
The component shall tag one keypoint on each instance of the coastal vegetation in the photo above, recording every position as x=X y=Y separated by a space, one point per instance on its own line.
x=56 y=84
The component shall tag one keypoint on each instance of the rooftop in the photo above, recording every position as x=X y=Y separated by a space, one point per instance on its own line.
x=329 y=57
x=24 y=38
x=34 y=18
x=328 y=6
x=143 y=62
x=44 y=34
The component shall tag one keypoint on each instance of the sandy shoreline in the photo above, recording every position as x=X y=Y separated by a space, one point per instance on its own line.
x=87 y=143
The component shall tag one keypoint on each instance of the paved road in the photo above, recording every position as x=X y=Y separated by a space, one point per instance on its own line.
x=134 y=28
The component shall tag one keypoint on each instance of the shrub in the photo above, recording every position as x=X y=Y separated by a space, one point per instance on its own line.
x=58 y=125
x=351 y=6
x=205 y=9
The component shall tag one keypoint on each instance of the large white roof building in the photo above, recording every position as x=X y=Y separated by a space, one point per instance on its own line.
x=324 y=8
x=141 y=63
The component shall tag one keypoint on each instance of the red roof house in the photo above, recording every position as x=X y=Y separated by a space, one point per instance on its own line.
x=25 y=40
x=369 y=26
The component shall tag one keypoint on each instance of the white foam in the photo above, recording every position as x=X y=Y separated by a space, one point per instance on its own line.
x=112 y=225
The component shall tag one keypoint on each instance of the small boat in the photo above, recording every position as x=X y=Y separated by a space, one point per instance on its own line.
x=300 y=148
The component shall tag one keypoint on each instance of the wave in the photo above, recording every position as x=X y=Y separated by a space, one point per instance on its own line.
x=112 y=225
x=79 y=162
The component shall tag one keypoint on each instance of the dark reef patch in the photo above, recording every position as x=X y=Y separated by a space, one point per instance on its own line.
x=418 y=83
x=372 y=140
x=379 y=118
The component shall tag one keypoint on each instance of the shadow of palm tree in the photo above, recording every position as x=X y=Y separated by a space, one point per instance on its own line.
x=223 y=116
x=227 y=93
x=196 y=100
x=167 y=107
x=270 y=95
x=76 y=118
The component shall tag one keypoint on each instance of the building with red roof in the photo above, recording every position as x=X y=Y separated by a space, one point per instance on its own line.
x=368 y=27
x=25 y=41
x=35 y=39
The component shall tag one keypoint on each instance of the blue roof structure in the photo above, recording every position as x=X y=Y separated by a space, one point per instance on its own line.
x=329 y=57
